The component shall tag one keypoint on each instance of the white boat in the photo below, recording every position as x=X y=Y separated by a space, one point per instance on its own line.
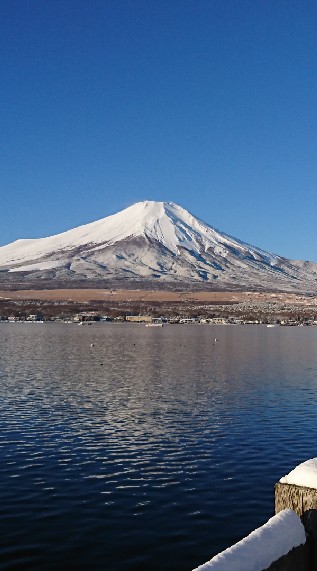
x=154 y=325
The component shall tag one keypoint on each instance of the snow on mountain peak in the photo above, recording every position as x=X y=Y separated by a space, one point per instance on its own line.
x=150 y=240
x=164 y=222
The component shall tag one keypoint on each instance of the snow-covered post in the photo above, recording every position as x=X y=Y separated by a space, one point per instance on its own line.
x=279 y=545
x=298 y=491
x=288 y=541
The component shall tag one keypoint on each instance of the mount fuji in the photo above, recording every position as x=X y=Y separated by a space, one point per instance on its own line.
x=151 y=242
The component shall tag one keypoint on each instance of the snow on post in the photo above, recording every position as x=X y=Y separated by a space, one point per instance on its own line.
x=304 y=474
x=262 y=547
x=298 y=491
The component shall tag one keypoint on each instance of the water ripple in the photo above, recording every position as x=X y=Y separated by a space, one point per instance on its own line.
x=169 y=452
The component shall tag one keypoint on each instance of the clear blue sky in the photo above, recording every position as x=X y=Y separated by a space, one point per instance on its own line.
x=211 y=104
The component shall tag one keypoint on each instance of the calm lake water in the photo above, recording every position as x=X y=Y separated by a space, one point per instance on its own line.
x=154 y=449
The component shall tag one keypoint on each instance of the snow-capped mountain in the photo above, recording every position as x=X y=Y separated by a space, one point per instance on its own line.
x=153 y=241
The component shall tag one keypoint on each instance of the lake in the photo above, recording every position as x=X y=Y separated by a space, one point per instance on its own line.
x=124 y=447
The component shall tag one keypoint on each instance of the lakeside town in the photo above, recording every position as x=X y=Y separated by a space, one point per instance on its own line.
x=271 y=313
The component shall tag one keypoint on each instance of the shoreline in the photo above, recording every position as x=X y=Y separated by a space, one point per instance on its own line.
x=177 y=307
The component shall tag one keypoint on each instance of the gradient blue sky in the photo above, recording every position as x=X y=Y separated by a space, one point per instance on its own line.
x=211 y=104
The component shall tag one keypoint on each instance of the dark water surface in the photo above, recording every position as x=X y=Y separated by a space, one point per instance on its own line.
x=155 y=448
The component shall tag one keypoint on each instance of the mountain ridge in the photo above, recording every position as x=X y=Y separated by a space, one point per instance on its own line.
x=153 y=241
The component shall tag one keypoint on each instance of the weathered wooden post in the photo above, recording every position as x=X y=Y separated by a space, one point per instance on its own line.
x=298 y=491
